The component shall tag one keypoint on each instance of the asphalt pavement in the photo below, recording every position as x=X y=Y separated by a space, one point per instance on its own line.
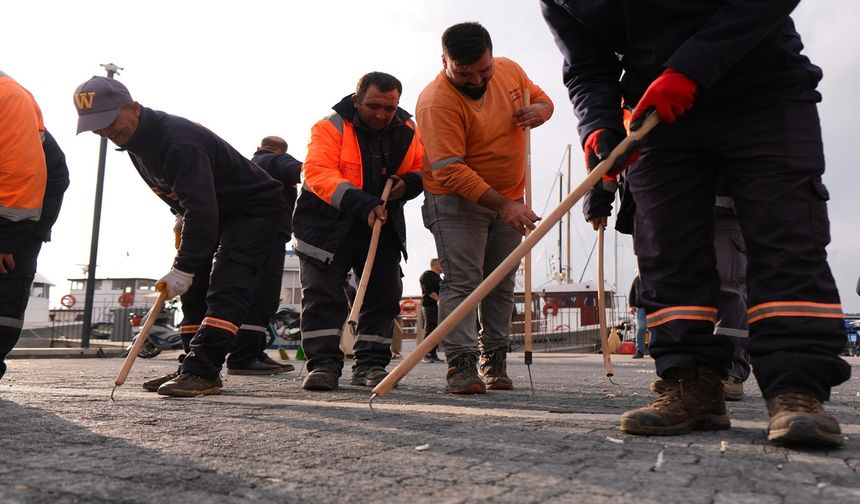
x=267 y=440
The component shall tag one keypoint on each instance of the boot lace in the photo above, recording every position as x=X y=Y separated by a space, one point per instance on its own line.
x=798 y=403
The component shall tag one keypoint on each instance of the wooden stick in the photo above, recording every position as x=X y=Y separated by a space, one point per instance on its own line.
x=601 y=304
x=619 y=153
x=527 y=284
x=142 y=336
x=368 y=264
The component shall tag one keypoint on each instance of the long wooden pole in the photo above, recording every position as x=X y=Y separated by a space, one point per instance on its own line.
x=368 y=264
x=527 y=284
x=618 y=155
x=142 y=336
x=601 y=304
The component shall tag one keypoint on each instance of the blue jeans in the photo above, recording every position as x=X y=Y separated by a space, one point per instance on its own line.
x=641 y=327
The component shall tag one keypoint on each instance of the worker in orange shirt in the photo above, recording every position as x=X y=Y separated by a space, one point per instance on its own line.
x=472 y=117
x=34 y=177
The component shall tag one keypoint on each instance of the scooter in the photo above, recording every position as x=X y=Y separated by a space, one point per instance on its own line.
x=163 y=335
x=284 y=326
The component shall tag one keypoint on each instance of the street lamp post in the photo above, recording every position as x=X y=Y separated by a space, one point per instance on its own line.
x=111 y=70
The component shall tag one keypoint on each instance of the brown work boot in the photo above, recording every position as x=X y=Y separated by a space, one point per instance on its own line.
x=463 y=376
x=190 y=385
x=493 y=370
x=691 y=400
x=733 y=386
x=152 y=385
x=799 y=419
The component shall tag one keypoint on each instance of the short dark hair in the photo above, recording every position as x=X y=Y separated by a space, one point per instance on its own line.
x=465 y=43
x=383 y=81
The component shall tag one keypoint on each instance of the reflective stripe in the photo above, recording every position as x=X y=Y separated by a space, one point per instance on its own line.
x=724 y=202
x=339 y=191
x=794 y=309
x=705 y=313
x=320 y=333
x=189 y=329
x=337 y=121
x=42 y=136
x=249 y=327
x=727 y=331
x=11 y=322
x=220 y=324
x=445 y=162
x=311 y=251
x=20 y=214
x=373 y=338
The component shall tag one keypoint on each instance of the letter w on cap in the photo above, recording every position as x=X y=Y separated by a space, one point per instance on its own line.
x=84 y=100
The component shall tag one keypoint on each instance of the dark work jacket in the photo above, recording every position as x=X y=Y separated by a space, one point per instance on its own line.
x=55 y=187
x=740 y=53
x=201 y=177
x=288 y=171
x=323 y=226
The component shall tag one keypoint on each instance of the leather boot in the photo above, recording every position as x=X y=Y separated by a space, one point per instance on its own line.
x=691 y=400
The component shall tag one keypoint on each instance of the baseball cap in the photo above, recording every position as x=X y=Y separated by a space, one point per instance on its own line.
x=98 y=101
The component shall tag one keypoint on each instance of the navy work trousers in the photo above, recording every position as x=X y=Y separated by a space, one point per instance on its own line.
x=15 y=293
x=324 y=302
x=771 y=160
x=244 y=247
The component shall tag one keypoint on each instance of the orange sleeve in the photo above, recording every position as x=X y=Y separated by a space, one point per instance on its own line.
x=445 y=144
x=321 y=167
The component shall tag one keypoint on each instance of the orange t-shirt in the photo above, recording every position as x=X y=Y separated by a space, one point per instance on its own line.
x=474 y=145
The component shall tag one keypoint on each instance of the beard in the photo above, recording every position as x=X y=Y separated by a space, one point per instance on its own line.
x=474 y=92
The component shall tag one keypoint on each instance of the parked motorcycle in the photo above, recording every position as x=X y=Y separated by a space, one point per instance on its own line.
x=163 y=335
x=285 y=327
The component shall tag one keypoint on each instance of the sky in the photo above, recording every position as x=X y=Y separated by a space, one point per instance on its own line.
x=256 y=68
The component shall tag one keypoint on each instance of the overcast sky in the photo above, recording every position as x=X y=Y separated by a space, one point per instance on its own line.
x=251 y=69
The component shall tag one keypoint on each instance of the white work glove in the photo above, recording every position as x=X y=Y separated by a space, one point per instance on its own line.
x=177 y=230
x=175 y=283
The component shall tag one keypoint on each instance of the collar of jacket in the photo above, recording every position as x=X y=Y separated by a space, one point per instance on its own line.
x=144 y=132
x=346 y=109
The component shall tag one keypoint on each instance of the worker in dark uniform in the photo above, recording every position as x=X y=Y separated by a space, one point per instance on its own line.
x=35 y=176
x=248 y=357
x=352 y=154
x=736 y=99
x=228 y=204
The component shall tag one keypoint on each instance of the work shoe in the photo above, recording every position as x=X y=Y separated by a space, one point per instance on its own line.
x=368 y=375
x=190 y=385
x=323 y=377
x=493 y=370
x=799 y=419
x=463 y=376
x=265 y=359
x=733 y=387
x=255 y=368
x=692 y=399
x=152 y=385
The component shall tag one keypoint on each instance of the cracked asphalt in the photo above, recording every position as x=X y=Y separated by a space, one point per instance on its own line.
x=266 y=440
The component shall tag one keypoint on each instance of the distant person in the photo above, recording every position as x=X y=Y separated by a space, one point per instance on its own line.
x=229 y=205
x=249 y=356
x=472 y=117
x=352 y=153
x=349 y=289
x=430 y=282
x=34 y=177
